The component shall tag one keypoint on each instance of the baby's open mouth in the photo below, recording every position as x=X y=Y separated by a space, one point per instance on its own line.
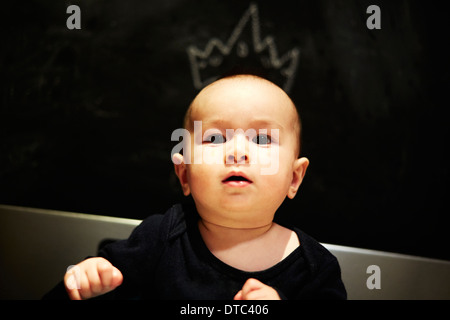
x=236 y=180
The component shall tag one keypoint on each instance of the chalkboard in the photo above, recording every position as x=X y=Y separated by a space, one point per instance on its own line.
x=87 y=114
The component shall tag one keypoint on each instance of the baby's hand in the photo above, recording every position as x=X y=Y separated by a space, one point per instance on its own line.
x=90 y=278
x=256 y=290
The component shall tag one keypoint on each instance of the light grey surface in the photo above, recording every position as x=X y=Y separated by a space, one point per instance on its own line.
x=401 y=276
x=37 y=246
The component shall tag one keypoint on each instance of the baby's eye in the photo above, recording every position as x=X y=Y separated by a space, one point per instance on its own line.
x=215 y=138
x=263 y=139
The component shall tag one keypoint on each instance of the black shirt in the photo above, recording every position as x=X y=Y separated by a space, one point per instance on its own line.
x=165 y=257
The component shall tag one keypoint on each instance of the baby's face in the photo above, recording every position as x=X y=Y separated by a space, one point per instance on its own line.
x=243 y=152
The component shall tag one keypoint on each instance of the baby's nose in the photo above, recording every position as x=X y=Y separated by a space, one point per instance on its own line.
x=237 y=151
x=233 y=158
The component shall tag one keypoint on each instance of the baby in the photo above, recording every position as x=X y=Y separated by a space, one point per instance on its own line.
x=223 y=244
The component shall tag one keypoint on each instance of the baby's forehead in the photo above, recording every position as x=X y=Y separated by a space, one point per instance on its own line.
x=243 y=90
x=236 y=84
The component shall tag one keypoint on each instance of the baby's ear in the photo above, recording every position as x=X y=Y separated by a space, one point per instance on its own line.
x=298 y=172
x=181 y=172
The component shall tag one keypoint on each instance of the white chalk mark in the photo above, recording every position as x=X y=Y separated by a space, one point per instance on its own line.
x=291 y=58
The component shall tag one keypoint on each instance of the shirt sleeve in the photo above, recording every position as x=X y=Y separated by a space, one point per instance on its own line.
x=136 y=257
x=327 y=284
x=325 y=280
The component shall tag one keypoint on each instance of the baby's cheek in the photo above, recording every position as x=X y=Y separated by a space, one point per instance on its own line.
x=200 y=176
x=268 y=160
x=213 y=155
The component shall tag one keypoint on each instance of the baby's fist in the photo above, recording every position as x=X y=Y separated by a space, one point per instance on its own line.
x=256 y=290
x=90 y=278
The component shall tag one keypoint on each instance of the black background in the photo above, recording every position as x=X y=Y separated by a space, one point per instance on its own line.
x=86 y=115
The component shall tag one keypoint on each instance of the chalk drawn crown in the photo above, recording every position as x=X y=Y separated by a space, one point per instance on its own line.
x=286 y=65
